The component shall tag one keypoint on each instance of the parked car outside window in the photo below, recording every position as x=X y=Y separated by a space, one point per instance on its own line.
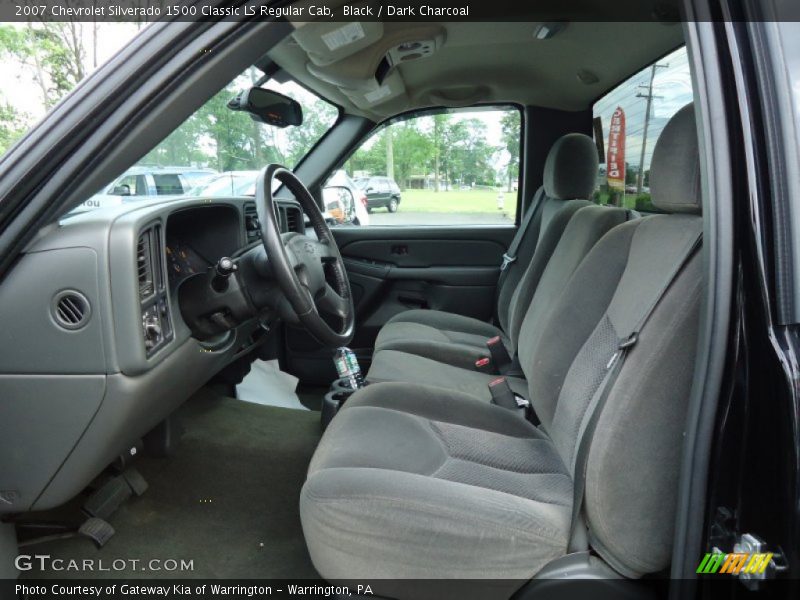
x=144 y=182
x=382 y=192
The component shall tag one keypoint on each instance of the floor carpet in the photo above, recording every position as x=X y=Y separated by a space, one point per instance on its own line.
x=227 y=499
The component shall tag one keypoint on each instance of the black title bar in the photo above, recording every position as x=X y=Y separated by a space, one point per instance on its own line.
x=666 y=11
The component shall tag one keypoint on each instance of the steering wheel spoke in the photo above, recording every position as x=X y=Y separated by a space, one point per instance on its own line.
x=331 y=302
x=327 y=253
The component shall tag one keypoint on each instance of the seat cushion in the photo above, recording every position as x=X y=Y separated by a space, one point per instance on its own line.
x=446 y=337
x=393 y=365
x=413 y=481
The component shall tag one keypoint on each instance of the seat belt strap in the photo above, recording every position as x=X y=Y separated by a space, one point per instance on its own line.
x=511 y=254
x=613 y=368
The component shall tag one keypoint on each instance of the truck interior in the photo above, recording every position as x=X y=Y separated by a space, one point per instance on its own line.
x=529 y=382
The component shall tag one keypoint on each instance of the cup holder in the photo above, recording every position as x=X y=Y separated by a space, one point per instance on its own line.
x=333 y=400
x=342 y=385
x=331 y=403
x=339 y=396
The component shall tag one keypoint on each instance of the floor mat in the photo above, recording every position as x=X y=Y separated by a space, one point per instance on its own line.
x=311 y=396
x=227 y=499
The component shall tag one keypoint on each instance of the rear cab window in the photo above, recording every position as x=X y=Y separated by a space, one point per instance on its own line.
x=459 y=167
x=632 y=116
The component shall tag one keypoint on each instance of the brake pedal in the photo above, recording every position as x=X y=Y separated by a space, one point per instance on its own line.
x=97 y=530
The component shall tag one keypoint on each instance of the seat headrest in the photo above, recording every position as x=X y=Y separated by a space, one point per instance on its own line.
x=570 y=171
x=675 y=168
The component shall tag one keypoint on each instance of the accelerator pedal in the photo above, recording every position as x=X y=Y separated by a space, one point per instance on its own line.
x=97 y=530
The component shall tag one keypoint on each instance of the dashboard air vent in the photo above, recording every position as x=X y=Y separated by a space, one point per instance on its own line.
x=149 y=269
x=71 y=309
x=144 y=265
x=293 y=220
x=251 y=225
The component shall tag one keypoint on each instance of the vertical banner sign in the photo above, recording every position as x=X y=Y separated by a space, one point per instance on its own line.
x=615 y=161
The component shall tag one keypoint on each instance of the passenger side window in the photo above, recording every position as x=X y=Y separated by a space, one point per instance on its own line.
x=455 y=168
x=630 y=118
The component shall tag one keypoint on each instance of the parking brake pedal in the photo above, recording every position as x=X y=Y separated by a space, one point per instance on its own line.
x=97 y=530
x=109 y=497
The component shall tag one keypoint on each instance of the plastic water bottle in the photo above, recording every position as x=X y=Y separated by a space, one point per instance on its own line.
x=347 y=366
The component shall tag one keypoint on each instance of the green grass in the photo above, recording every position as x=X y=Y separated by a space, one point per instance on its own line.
x=461 y=201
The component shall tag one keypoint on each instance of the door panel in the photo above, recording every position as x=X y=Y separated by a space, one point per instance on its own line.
x=404 y=252
x=394 y=269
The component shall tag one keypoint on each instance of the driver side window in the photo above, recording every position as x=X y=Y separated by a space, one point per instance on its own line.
x=459 y=167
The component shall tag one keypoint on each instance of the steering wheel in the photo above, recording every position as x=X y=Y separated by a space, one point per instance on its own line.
x=299 y=263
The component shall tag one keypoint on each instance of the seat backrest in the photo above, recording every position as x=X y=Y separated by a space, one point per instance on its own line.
x=570 y=173
x=633 y=461
x=533 y=303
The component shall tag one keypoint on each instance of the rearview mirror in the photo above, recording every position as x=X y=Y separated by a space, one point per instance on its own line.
x=266 y=106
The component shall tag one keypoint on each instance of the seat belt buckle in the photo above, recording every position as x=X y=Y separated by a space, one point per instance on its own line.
x=502 y=394
x=500 y=357
x=484 y=365
x=507 y=260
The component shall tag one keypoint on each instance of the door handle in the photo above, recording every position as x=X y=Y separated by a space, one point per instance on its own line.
x=399 y=250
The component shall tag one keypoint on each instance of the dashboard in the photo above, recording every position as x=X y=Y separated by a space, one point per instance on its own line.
x=92 y=309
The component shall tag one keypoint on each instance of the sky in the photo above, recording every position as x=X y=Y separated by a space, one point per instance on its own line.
x=672 y=89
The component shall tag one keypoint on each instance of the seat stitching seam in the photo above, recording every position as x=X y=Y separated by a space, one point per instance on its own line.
x=413 y=414
x=434 y=509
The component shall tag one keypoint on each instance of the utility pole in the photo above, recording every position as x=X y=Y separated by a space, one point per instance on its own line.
x=649 y=95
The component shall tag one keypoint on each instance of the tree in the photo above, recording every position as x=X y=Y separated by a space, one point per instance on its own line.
x=413 y=151
x=372 y=157
x=53 y=52
x=510 y=136
x=317 y=119
x=13 y=125
x=631 y=173
x=439 y=124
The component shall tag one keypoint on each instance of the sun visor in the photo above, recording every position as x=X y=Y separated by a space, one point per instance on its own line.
x=328 y=43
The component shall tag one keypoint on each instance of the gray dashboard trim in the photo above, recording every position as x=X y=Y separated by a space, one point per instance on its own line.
x=131 y=407
x=41 y=417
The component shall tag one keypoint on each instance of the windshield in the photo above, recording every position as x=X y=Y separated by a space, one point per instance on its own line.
x=218 y=152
